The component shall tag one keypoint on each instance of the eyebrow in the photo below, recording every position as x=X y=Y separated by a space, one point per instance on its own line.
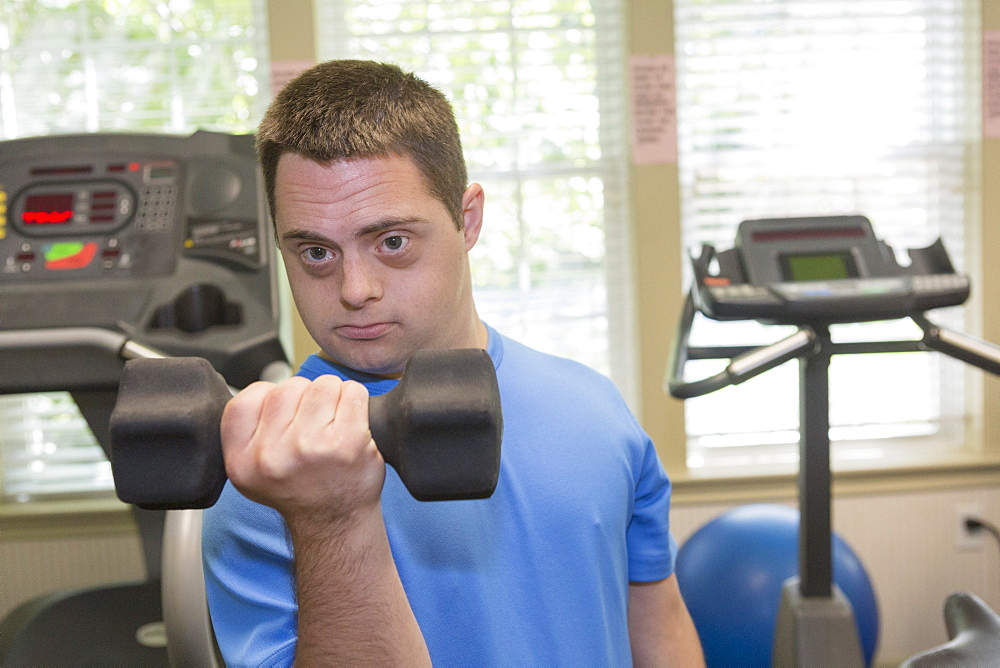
x=299 y=234
x=388 y=224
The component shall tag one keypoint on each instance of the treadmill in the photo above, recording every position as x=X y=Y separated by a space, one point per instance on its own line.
x=116 y=246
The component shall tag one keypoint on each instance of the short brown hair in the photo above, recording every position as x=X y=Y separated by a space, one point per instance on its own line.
x=344 y=109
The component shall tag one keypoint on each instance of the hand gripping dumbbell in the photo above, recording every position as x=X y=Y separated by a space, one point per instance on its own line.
x=440 y=428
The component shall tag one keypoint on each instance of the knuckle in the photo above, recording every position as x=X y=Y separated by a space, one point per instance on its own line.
x=325 y=388
x=273 y=465
x=249 y=396
x=355 y=390
x=290 y=387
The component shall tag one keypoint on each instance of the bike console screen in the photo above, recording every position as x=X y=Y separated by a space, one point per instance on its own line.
x=821 y=270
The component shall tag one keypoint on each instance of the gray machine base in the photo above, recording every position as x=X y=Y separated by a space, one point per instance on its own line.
x=815 y=631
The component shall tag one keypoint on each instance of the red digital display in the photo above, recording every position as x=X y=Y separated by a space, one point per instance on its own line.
x=48 y=208
x=800 y=233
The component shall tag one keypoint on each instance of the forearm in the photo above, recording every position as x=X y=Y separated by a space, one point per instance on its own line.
x=660 y=629
x=305 y=449
x=352 y=607
x=672 y=646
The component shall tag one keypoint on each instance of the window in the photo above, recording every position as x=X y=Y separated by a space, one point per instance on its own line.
x=538 y=89
x=170 y=66
x=805 y=108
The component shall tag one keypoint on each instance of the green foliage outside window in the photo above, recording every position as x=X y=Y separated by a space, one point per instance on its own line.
x=137 y=65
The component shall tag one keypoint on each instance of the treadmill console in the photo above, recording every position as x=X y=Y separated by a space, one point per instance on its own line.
x=163 y=238
x=822 y=270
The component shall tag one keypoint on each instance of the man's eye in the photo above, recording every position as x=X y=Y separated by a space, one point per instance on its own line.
x=316 y=254
x=394 y=243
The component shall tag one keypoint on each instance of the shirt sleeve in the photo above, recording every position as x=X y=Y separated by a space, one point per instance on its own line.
x=652 y=549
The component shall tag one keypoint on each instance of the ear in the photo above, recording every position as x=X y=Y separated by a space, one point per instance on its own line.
x=472 y=214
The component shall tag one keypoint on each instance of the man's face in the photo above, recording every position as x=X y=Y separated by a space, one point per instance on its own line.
x=376 y=265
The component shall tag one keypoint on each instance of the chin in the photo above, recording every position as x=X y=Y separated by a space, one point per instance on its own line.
x=370 y=361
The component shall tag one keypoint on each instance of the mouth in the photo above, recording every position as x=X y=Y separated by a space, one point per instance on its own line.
x=364 y=332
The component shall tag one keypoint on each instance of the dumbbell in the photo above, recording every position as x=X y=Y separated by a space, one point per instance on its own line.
x=440 y=428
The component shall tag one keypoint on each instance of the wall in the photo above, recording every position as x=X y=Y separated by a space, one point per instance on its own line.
x=36 y=566
x=986 y=237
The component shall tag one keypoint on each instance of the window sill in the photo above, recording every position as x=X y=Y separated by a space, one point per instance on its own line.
x=752 y=484
x=100 y=516
x=109 y=516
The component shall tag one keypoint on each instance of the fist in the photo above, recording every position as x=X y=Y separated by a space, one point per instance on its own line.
x=304 y=448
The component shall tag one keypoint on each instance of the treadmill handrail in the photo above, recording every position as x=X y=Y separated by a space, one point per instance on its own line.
x=110 y=341
x=63 y=337
x=741 y=368
x=186 y=619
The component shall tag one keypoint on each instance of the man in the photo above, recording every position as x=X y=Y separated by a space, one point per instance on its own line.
x=315 y=552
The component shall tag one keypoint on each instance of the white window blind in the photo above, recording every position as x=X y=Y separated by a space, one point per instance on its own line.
x=538 y=89
x=811 y=108
x=170 y=66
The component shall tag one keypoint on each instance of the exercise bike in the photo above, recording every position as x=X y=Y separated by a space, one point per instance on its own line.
x=812 y=273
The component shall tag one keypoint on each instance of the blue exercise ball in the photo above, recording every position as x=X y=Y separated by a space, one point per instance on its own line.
x=731 y=572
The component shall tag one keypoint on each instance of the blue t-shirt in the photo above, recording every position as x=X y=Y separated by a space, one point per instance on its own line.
x=535 y=575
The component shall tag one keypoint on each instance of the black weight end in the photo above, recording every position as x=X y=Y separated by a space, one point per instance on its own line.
x=165 y=446
x=450 y=421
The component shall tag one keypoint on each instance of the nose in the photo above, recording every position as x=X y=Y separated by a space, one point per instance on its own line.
x=360 y=282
